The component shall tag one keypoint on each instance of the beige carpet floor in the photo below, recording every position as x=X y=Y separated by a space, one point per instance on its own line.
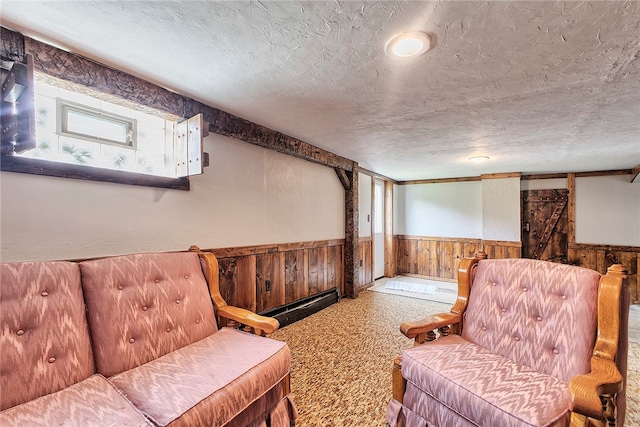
x=342 y=356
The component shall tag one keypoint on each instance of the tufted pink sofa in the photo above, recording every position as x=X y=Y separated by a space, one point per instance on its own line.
x=131 y=341
x=523 y=338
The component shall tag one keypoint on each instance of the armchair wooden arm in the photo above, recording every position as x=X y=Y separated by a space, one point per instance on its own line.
x=424 y=330
x=261 y=325
x=593 y=394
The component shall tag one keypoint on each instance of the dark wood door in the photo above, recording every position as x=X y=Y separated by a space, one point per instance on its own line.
x=545 y=224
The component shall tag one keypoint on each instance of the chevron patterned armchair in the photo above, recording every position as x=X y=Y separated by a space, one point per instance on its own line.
x=527 y=343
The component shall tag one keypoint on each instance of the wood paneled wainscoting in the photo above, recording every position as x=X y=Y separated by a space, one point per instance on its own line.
x=438 y=257
x=601 y=257
x=366 y=263
x=258 y=278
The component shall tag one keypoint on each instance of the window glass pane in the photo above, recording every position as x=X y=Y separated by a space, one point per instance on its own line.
x=99 y=127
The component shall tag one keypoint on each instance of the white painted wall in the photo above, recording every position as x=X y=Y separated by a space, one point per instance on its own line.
x=543 y=184
x=608 y=210
x=364 y=204
x=248 y=196
x=501 y=209
x=440 y=210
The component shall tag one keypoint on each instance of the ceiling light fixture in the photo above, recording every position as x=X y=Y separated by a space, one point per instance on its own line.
x=407 y=45
x=479 y=159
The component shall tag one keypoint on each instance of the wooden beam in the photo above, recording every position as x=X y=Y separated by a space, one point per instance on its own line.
x=571 y=208
x=603 y=173
x=501 y=175
x=11 y=46
x=351 y=235
x=543 y=176
x=439 y=180
x=635 y=173
x=79 y=70
x=344 y=180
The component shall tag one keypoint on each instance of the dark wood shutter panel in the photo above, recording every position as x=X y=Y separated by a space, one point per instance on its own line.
x=18 y=114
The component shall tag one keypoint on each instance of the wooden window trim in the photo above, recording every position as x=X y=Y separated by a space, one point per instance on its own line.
x=10 y=163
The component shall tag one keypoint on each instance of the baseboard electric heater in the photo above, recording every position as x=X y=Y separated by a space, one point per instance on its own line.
x=300 y=309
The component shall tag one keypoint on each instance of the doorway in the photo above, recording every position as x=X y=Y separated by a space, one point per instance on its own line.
x=378 y=229
x=545 y=224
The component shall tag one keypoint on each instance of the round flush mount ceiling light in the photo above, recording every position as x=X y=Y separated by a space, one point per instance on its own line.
x=479 y=159
x=407 y=45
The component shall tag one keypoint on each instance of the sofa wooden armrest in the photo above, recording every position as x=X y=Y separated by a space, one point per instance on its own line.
x=586 y=390
x=423 y=330
x=260 y=325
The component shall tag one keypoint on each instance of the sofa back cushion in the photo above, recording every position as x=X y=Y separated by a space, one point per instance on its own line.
x=44 y=341
x=143 y=306
x=537 y=313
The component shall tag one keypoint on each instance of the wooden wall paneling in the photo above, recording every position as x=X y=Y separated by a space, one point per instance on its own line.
x=246 y=283
x=332 y=256
x=422 y=257
x=434 y=260
x=294 y=281
x=631 y=261
x=322 y=267
x=269 y=267
x=446 y=267
x=228 y=280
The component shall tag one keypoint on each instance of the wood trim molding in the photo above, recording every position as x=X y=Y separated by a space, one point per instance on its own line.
x=543 y=176
x=603 y=173
x=66 y=170
x=440 y=180
x=439 y=239
x=503 y=243
x=501 y=175
x=598 y=247
x=233 y=252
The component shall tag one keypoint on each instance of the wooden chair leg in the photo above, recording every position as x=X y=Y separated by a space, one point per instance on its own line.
x=399 y=383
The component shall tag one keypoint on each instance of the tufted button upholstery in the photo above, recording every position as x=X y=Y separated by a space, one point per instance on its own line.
x=170 y=290
x=538 y=305
x=56 y=322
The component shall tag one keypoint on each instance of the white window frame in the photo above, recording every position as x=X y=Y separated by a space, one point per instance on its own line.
x=63 y=107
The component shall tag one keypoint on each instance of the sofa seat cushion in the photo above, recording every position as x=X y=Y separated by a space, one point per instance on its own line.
x=483 y=387
x=92 y=402
x=213 y=379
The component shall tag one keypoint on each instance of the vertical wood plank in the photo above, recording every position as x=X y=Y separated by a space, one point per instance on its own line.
x=246 y=284
x=313 y=272
x=269 y=266
x=228 y=280
x=293 y=276
x=631 y=262
x=446 y=260
x=433 y=258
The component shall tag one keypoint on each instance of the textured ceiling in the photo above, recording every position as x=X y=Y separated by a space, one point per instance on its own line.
x=539 y=87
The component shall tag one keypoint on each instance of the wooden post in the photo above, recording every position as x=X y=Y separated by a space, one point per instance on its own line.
x=571 y=208
x=351 y=234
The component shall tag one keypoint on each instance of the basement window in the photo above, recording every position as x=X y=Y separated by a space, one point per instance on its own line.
x=86 y=137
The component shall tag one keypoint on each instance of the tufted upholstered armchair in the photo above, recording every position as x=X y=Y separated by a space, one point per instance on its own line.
x=527 y=343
